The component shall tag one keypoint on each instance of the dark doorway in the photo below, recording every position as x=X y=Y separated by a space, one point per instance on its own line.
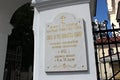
x=20 y=49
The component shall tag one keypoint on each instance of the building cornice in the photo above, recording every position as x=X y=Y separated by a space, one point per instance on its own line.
x=51 y=4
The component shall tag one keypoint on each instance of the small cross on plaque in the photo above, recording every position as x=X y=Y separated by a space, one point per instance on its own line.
x=62 y=19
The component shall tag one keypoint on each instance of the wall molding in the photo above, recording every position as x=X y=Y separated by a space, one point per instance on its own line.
x=51 y=4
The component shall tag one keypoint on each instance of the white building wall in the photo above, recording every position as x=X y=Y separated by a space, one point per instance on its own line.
x=40 y=18
x=113 y=15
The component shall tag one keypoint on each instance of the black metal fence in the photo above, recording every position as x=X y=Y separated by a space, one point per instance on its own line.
x=107 y=51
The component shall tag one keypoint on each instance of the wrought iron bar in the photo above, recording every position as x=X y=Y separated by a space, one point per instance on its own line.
x=114 y=75
x=96 y=57
x=110 y=52
x=116 y=44
x=103 y=53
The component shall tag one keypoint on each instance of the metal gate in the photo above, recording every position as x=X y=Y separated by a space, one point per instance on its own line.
x=107 y=51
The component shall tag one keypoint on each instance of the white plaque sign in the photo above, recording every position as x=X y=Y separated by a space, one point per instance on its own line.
x=65 y=44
